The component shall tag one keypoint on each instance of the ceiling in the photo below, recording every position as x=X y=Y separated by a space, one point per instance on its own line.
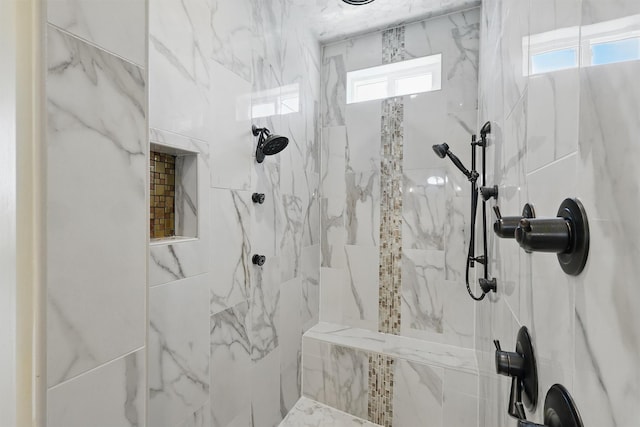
x=333 y=20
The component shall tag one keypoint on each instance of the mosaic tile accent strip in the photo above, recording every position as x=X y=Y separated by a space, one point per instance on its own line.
x=163 y=194
x=391 y=216
x=381 y=389
x=393 y=49
x=390 y=273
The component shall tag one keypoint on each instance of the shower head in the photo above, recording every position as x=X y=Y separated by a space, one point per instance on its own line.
x=441 y=150
x=268 y=144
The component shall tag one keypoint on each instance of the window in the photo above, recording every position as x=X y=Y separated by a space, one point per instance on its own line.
x=397 y=79
x=602 y=43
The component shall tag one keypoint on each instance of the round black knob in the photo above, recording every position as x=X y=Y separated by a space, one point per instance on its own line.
x=259 y=260
x=258 y=198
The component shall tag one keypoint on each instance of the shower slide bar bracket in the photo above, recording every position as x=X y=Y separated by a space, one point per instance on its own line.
x=487 y=284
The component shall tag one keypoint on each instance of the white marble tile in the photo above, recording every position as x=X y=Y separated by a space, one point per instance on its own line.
x=289 y=328
x=424 y=125
x=515 y=51
x=594 y=11
x=552 y=117
x=456 y=238
x=310 y=273
x=95 y=275
x=186 y=195
x=334 y=96
x=364 y=51
x=424 y=203
x=417 y=395
x=265 y=391
x=112 y=395
x=232 y=143
x=232 y=25
x=118 y=26
x=265 y=309
x=200 y=418
x=360 y=296
x=363 y=124
x=230 y=366
x=178 y=350
x=362 y=219
x=180 y=68
x=309 y=413
x=333 y=233
x=608 y=183
x=332 y=283
x=414 y=350
x=230 y=264
x=558 y=14
x=423 y=291
x=456 y=37
x=339 y=378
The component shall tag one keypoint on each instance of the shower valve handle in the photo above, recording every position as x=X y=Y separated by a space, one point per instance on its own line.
x=259 y=260
x=505 y=226
x=258 y=198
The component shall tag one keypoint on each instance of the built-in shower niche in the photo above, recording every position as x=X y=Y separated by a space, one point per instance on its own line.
x=173 y=193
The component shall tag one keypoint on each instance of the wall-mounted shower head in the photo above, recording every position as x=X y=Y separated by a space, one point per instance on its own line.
x=268 y=144
x=442 y=151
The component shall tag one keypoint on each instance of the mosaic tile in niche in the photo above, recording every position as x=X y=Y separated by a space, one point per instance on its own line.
x=162 y=195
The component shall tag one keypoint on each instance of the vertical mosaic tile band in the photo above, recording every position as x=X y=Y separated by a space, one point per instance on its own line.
x=381 y=389
x=391 y=216
x=393 y=50
x=390 y=273
x=162 y=196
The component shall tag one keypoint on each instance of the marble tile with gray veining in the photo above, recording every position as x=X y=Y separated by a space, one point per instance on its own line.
x=423 y=290
x=417 y=395
x=117 y=26
x=309 y=413
x=178 y=350
x=334 y=98
x=232 y=35
x=360 y=296
x=230 y=366
x=362 y=220
x=95 y=109
x=310 y=273
x=186 y=196
x=200 y=418
x=180 y=67
x=265 y=305
x=230 y=262
x=424 y=209
x=112 y=395
x=338 y=378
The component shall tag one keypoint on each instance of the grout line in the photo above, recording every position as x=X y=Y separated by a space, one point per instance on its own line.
x=75 y=377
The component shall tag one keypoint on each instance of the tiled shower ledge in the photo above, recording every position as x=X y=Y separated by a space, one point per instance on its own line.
x=411 y=349
x=309 y=413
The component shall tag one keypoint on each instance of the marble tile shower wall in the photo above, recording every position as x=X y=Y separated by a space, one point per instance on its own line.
x=563 y=134
x=97 y=226
x=434 y=305
x=225 y=336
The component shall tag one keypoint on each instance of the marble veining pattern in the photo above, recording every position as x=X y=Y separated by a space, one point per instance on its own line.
x=95 y=253
x=309 y=413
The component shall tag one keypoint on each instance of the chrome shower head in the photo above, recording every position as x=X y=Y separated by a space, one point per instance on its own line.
x=268 y=144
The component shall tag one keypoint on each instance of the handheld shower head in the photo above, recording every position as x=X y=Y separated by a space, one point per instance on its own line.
x=442 y=151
